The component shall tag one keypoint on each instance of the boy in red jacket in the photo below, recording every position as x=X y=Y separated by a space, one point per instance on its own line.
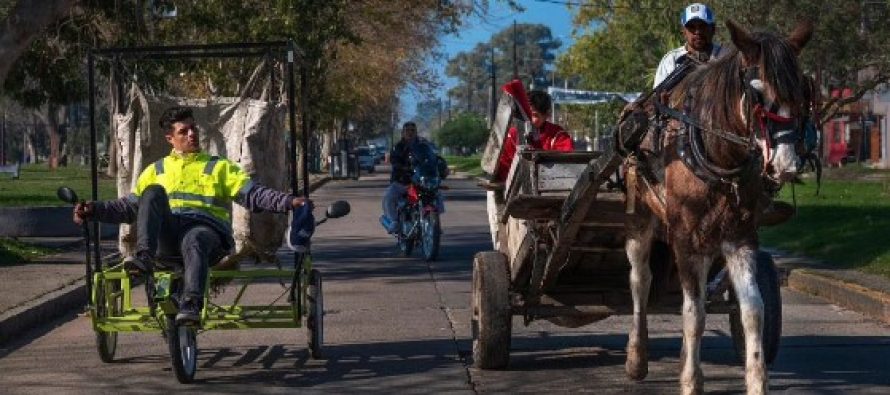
x=550 y=136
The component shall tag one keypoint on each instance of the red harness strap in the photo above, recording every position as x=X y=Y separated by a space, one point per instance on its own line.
x=762 y=115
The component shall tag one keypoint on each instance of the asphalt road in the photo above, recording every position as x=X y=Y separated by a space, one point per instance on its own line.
x=399 y=325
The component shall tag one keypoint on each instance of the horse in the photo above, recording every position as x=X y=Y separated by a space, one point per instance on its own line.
x=739 y=141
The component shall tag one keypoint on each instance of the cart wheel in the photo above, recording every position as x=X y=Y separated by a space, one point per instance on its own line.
x=431 y=234
x=183 y=344
x=768 y=282
x=492 y=318
x=108 y=303
x=315 y=316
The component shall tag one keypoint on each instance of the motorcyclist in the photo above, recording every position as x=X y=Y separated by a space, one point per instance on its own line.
x=400 y=177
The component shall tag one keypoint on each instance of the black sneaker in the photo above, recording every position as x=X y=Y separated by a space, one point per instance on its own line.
x=189 y=312
x=140 y=265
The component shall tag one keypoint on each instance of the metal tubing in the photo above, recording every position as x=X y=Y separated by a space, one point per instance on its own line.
x=94 y=175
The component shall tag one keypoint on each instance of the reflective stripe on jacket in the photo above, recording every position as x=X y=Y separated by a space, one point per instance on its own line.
x=197 y=183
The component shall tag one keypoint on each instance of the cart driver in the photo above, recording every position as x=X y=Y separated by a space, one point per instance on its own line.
x=182 y=206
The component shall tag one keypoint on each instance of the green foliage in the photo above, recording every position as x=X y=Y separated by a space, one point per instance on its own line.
x=37 y=186
x=466 y=130
x=471 y=165
x=618 y=43
x=845 y=226
x=13 y=252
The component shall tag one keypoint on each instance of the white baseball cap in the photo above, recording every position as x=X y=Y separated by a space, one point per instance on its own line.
x=697 y=11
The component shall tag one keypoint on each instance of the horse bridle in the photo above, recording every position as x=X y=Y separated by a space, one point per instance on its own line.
x=774 y=129
x=767 y=122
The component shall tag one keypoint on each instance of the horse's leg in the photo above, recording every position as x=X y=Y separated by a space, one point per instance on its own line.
x=693 y=276
x=638 y=246
x=742 y=264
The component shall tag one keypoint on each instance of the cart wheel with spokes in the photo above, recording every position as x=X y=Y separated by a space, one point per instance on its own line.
x=768 y=281
x=108 y=303
x=492 y=319
x=315 y=315
x=182 y=340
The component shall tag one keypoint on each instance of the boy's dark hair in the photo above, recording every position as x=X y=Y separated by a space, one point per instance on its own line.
x=173 y=115
x=540 y=101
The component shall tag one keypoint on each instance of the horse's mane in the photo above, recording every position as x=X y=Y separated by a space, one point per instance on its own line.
x=717 y=88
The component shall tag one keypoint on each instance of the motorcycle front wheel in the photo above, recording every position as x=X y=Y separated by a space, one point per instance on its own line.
x=405 y=241
x=431 y=233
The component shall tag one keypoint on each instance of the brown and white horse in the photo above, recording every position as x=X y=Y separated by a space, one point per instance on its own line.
x=741 y=144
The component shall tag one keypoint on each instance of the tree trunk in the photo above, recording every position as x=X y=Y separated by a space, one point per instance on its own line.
x=23 y=23
x=51 y=115
x=28 y=144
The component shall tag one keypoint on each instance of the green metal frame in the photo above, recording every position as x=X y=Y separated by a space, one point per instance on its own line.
x=235 y=316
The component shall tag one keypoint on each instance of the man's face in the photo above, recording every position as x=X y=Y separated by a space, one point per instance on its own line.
x=698 y=34
x=409 y=133
x=539 y=117
x=184 y=136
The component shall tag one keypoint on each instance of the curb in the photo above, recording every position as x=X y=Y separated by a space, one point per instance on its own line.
x=853 y=296
x=61 y=301
x=863 y=293
x=41 y=310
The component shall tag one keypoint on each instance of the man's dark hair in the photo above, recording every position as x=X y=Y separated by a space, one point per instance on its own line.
x=409 y=123
x=173 y=115
x=540 y=101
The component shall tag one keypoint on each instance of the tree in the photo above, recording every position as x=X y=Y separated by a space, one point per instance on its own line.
x=535 y=47
x=24 y=20
x=620 y=42
x=465 y=131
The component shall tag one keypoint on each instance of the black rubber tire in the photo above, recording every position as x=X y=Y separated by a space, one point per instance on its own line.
x=492 y=319
x=406 y=245
x=431 y=234
x=315 y=314
x=106 y=342
x=182 y=342
x=768 y=281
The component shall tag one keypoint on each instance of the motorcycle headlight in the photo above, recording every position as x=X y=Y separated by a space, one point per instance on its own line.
x=429 y=182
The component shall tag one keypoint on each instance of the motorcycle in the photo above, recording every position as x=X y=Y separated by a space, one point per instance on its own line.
x=419 y=211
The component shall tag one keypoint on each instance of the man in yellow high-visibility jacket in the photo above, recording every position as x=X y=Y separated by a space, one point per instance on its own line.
x=181 y=205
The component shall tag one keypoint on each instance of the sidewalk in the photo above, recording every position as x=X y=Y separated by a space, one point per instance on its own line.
x=37 y=292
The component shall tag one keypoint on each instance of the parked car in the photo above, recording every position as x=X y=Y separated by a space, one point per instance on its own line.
x=365 y=159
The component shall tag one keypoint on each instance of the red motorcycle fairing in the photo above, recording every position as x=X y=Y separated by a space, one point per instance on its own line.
x=413 y=196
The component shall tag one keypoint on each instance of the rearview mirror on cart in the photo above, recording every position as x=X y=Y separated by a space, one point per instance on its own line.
x=67 y=195
x=337 y=209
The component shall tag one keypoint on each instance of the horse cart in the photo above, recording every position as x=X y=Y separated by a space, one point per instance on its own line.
x=559 y=224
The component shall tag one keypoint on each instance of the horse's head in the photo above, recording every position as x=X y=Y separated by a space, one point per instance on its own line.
x=776 y=93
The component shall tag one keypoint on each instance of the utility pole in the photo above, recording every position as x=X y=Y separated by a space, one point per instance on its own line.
x=469 y=94
x=515 y=64
x=439 y=107
x=3 y=140
x=492 y=105
x=448 y=106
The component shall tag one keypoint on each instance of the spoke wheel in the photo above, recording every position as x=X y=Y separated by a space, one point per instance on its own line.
x=182 y=340
x=108 y=303
x=430 y=236
x=768 y=282
x=315 y=315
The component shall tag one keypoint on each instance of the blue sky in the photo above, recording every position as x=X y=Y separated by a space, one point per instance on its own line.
x=557 y=16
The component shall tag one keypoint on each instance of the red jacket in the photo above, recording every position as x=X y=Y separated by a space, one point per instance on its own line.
x=553 y=138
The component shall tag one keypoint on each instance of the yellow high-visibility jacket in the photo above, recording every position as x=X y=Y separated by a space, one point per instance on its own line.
x=196 y=183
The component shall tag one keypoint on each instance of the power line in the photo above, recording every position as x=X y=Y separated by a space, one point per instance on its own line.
x=593 y=5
